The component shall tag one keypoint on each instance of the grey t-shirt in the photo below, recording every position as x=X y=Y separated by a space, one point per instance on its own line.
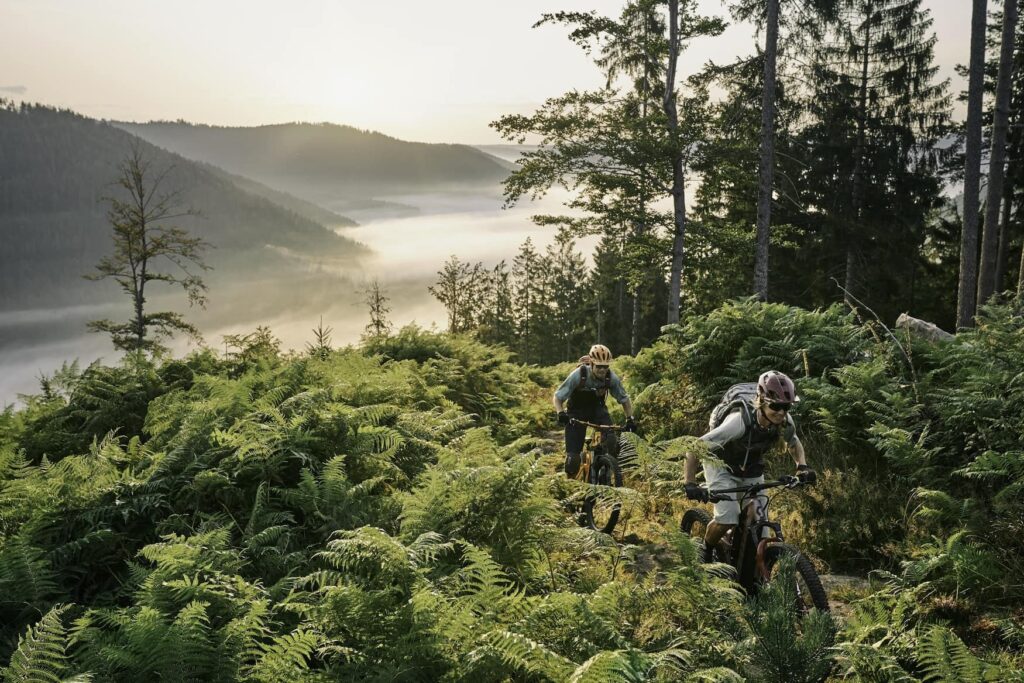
x=572 y=382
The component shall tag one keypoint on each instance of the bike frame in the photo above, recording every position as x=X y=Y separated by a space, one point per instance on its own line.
x=754 y=531
x=595 y=442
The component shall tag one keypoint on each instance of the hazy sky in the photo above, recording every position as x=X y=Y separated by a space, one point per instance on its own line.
x=433 y=71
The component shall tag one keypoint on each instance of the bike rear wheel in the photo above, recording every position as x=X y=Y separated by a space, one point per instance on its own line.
x=810 y=594
x=602 y=513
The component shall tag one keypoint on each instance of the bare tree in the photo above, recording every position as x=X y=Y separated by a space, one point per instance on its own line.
x=966 y=304
x=147 y=250
x=997 y=159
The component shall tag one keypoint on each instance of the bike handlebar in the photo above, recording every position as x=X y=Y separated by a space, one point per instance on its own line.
x=610 y=428
x=787 y=481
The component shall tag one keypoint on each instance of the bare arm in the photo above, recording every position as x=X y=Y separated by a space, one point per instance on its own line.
x=731 y=428
x=627 y=408
x=797 y=451
x=691 y=468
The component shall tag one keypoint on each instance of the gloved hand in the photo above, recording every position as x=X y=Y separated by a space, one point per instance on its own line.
x=697 y=493
x=563 y=417
x=630 y=425
x=806 y=475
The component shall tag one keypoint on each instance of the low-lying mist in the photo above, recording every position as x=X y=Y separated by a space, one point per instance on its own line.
x=406 y=254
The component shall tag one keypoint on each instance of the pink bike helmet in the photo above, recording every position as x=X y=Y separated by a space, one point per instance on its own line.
x=777 y=387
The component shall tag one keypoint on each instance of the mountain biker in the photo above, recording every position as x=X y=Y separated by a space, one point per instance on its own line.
x=585 y=390
x=742 y=431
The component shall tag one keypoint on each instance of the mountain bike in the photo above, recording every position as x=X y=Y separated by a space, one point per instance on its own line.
x=755 y=546
x=599 y=466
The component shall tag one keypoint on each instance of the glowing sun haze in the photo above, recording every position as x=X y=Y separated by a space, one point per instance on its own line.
x=432 y=71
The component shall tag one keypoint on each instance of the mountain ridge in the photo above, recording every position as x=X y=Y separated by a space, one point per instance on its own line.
x=325 y=162
x=56 y=166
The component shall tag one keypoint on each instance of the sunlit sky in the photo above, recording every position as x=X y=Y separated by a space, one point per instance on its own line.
x=431 y=71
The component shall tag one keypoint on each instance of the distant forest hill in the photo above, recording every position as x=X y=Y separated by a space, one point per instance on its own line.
x=57 y=166
x=326 y=162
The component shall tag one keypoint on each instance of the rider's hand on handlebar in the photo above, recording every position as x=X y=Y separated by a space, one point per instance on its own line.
x=630 y=425
x=806 y=475
x=698 y=493
x=563 y=417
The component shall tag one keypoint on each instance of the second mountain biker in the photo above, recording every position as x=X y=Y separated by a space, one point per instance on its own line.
x=585 y=390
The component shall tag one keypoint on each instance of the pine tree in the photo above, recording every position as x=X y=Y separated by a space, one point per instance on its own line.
x=876 y=112
x=376 y=300
x=567 y=280
x=459 y=287
x=497 y=323
x=528 y=302
x=623 y=147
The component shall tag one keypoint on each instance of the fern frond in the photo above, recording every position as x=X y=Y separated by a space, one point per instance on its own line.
x=41 y=655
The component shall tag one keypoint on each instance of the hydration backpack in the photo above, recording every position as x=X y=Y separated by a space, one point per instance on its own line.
x=738 y=396
x=584 y=366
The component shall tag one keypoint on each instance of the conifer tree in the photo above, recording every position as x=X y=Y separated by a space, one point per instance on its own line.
x=320 y=347
x=459 y=287
x=876 y=112
x=567 y=280
x=376 y=300
x=622 y=147
x=496 y=318
x=528 y=304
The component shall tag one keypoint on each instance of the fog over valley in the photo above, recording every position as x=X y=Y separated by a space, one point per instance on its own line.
x=314 y=259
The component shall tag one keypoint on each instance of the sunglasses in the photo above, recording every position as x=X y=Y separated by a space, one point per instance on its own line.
x=780 y=407
x=600 y=367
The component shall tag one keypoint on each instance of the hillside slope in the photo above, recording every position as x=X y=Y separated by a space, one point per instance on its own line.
x=318 y=161
x=394 y=512
x=55 y=169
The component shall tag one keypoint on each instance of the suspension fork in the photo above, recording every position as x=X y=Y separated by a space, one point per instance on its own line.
x=764 y=541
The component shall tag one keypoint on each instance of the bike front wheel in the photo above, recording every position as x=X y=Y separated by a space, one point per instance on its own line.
x=602 y=510
x=695 y=524
x=809 y=594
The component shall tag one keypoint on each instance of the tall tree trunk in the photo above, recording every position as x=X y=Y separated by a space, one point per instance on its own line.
x=858 y=164
x=767 y=164
x=967 y=289
x=1000 y=125
x=634 y=338
x=1020 y=276
x=675 y=281
x=1004 y=234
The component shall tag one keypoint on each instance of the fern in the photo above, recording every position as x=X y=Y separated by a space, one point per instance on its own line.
x=944 y=657
x=41 y=655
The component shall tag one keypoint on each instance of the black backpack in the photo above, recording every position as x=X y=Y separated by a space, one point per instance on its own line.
x=738 y=396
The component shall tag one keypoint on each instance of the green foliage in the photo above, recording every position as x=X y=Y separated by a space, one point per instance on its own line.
x=42 y=653
x=788 y=645
x=916 y=443
x=944 y=657
x=394 y=513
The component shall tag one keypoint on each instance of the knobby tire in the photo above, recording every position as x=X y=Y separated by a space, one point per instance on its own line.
x=606 y=472
x=694 y=524
x=806 y=572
